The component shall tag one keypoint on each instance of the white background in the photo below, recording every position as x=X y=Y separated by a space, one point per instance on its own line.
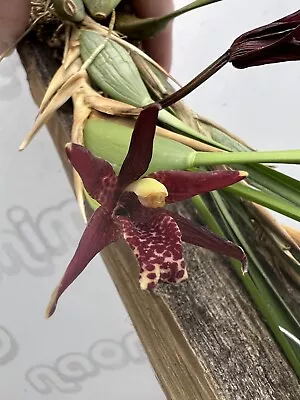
x=89 y=349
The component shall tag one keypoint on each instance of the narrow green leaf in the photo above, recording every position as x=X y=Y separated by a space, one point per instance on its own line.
x=265 y=199
x=257 y=288
x=178 y=126
x=143 y=28
x=241 y=238
x=222 y=137
x=277 y=184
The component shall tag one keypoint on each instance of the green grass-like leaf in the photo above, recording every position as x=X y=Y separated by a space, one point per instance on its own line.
x=271 y=306
x=265 y=199
x=248 y=157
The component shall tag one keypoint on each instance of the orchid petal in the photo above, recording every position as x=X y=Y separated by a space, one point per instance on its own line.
x=97 y=175
x=201 y=236
x=271 y=43
x=100 y=232
x=157 y=247
x=291 y=18
x=182 y=185
x=141 y=145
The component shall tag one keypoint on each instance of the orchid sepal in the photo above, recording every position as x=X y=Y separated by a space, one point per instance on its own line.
x=93 y=240
x=182 y=185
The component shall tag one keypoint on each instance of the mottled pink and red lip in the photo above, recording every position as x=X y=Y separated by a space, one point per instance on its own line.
x=154 y=234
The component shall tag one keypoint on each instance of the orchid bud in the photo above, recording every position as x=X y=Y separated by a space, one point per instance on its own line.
x=276 y=42
x=69 y=10
x=100 y=9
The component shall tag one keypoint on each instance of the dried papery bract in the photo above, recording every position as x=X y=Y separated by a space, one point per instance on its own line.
x=71 y=80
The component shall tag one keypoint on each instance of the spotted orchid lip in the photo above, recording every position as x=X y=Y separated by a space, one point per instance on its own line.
x=154 y=234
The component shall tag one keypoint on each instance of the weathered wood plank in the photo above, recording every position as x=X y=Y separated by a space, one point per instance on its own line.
x=204 y=338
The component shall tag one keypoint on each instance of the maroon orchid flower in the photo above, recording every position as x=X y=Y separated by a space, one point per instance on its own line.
x=276 y=42
x=131 y=207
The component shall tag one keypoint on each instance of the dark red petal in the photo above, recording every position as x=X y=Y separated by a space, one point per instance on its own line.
x=157 y=246
x=100 y=232
x=201 y=236
x=182 y=185
x=271 y=43
x=291 y=18
x=97 y=174
x=141 y=145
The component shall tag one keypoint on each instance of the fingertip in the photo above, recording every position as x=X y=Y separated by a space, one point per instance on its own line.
x=14 y=17
x=160 y=46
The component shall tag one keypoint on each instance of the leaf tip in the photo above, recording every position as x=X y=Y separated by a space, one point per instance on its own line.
x=51 y=307
x=22 y=146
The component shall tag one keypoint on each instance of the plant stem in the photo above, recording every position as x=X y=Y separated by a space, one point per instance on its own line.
x=197 y=81
x=247 y=157
x=183 y=10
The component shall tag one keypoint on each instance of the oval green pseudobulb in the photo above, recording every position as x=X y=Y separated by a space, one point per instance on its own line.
x=69 y=10
x=113 y=70
x=100 y=9
x=110 y=140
